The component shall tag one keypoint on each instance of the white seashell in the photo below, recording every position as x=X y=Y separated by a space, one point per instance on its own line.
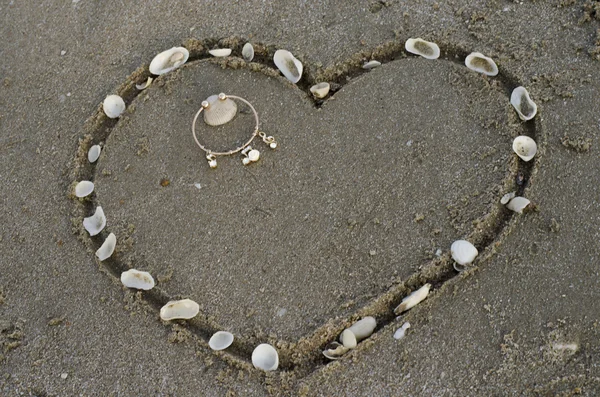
x=335 y=351
x=113 y=106
x=107 y=248
x=253 y=155
x=248 y=52
x=220 y=52
x=182 y=309
x=413 y=299
x=463 y=252
x=145 y=85
x=480 y=63
x=518 y=204
x=400 y=332
x=265 y=357
x=364 y=328
x=95 y=223
x=426 y=49
x=221 y=340
x=133 y=278
x=169 y=60
x=507 y=197
x=84 y=188
x=348 y=339
x=371 y=65
x=523 y=104
x=288 y=65
x=94 y=153
x=320 y=90
x=219 y=111
x=524 y=147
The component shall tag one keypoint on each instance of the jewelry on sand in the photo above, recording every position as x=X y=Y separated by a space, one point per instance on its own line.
x=250 y=155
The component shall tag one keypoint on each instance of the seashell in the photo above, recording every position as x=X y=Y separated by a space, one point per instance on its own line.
x=94 y=153
x=426 y=49
x=320 y=90
x=248 y=52
x=335 y=351
x=113 y=106
x=518 y=204
x=413 y=299
x=220 y=52
x=364 y=328
x=84 y=188
x=133 y=278
x=507 y=197
x=265 y=357
x=95 y=223
x=348 y=339
x=220 y=340
x=523 y=104
x=480 y=63
x=371 y=65
x=169 y=60
x=288 y=65
x=400 y=332
x=107 y=248
x=220 y=110
x=253 y=155
x=182 y=309
x=463 y=252
x=145 y=85
x=524 y=147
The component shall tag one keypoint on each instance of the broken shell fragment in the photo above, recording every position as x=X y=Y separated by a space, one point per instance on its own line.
x=364 y=328
x=107 y=248
x=320 y=90
x=169 y=60
x=288 y=65
x=426 y=49
x=335 y=351
x=523 y=104
x=400 y=332
x=524 y=147
x=348 y=339
x=113 y=106
x=220 y=340
x=137 y=279
x=480 y=63
x=220 y=110
x=94 y=153
x=413 y=299
x=220 y=52
x=183 y=309
x=265 y=357
x=248 y=52
x=95 y=223
x=507 y=197
x=371 y=65
x=84 y=188
x=463 y=252
x=145 y=85
x=518 y=204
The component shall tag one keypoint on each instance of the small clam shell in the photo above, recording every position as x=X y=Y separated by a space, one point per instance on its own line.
x=413 y=299
x=463 y=252
x=133 y=278
x=480 y=63
x=320 y=90
x=107 y=248
x=169 y=60
x=95 y=223
x=426 y=49
x=524 y=147
x=220 y=340
x=523 y=104
x=400 y=332
x=335 y=351
x=518 y=204
x=265 y=357
x=507 y=197
x=84 y=188
x=288 y=65
x=220 y=52
x=364 y=328
x=348 y=339
x=371 y=65
x=145 y=85
x=248 y=52
x=113 y=106
x=219 y=111
x=94 y=153
x=182 y=309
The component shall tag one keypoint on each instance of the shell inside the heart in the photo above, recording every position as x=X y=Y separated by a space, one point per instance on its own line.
x=219 y=110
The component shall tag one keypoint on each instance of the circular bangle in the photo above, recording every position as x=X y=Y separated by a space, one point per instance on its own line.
x=250 y=155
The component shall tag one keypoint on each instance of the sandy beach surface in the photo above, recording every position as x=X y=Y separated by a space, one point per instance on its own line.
x=356 y=208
